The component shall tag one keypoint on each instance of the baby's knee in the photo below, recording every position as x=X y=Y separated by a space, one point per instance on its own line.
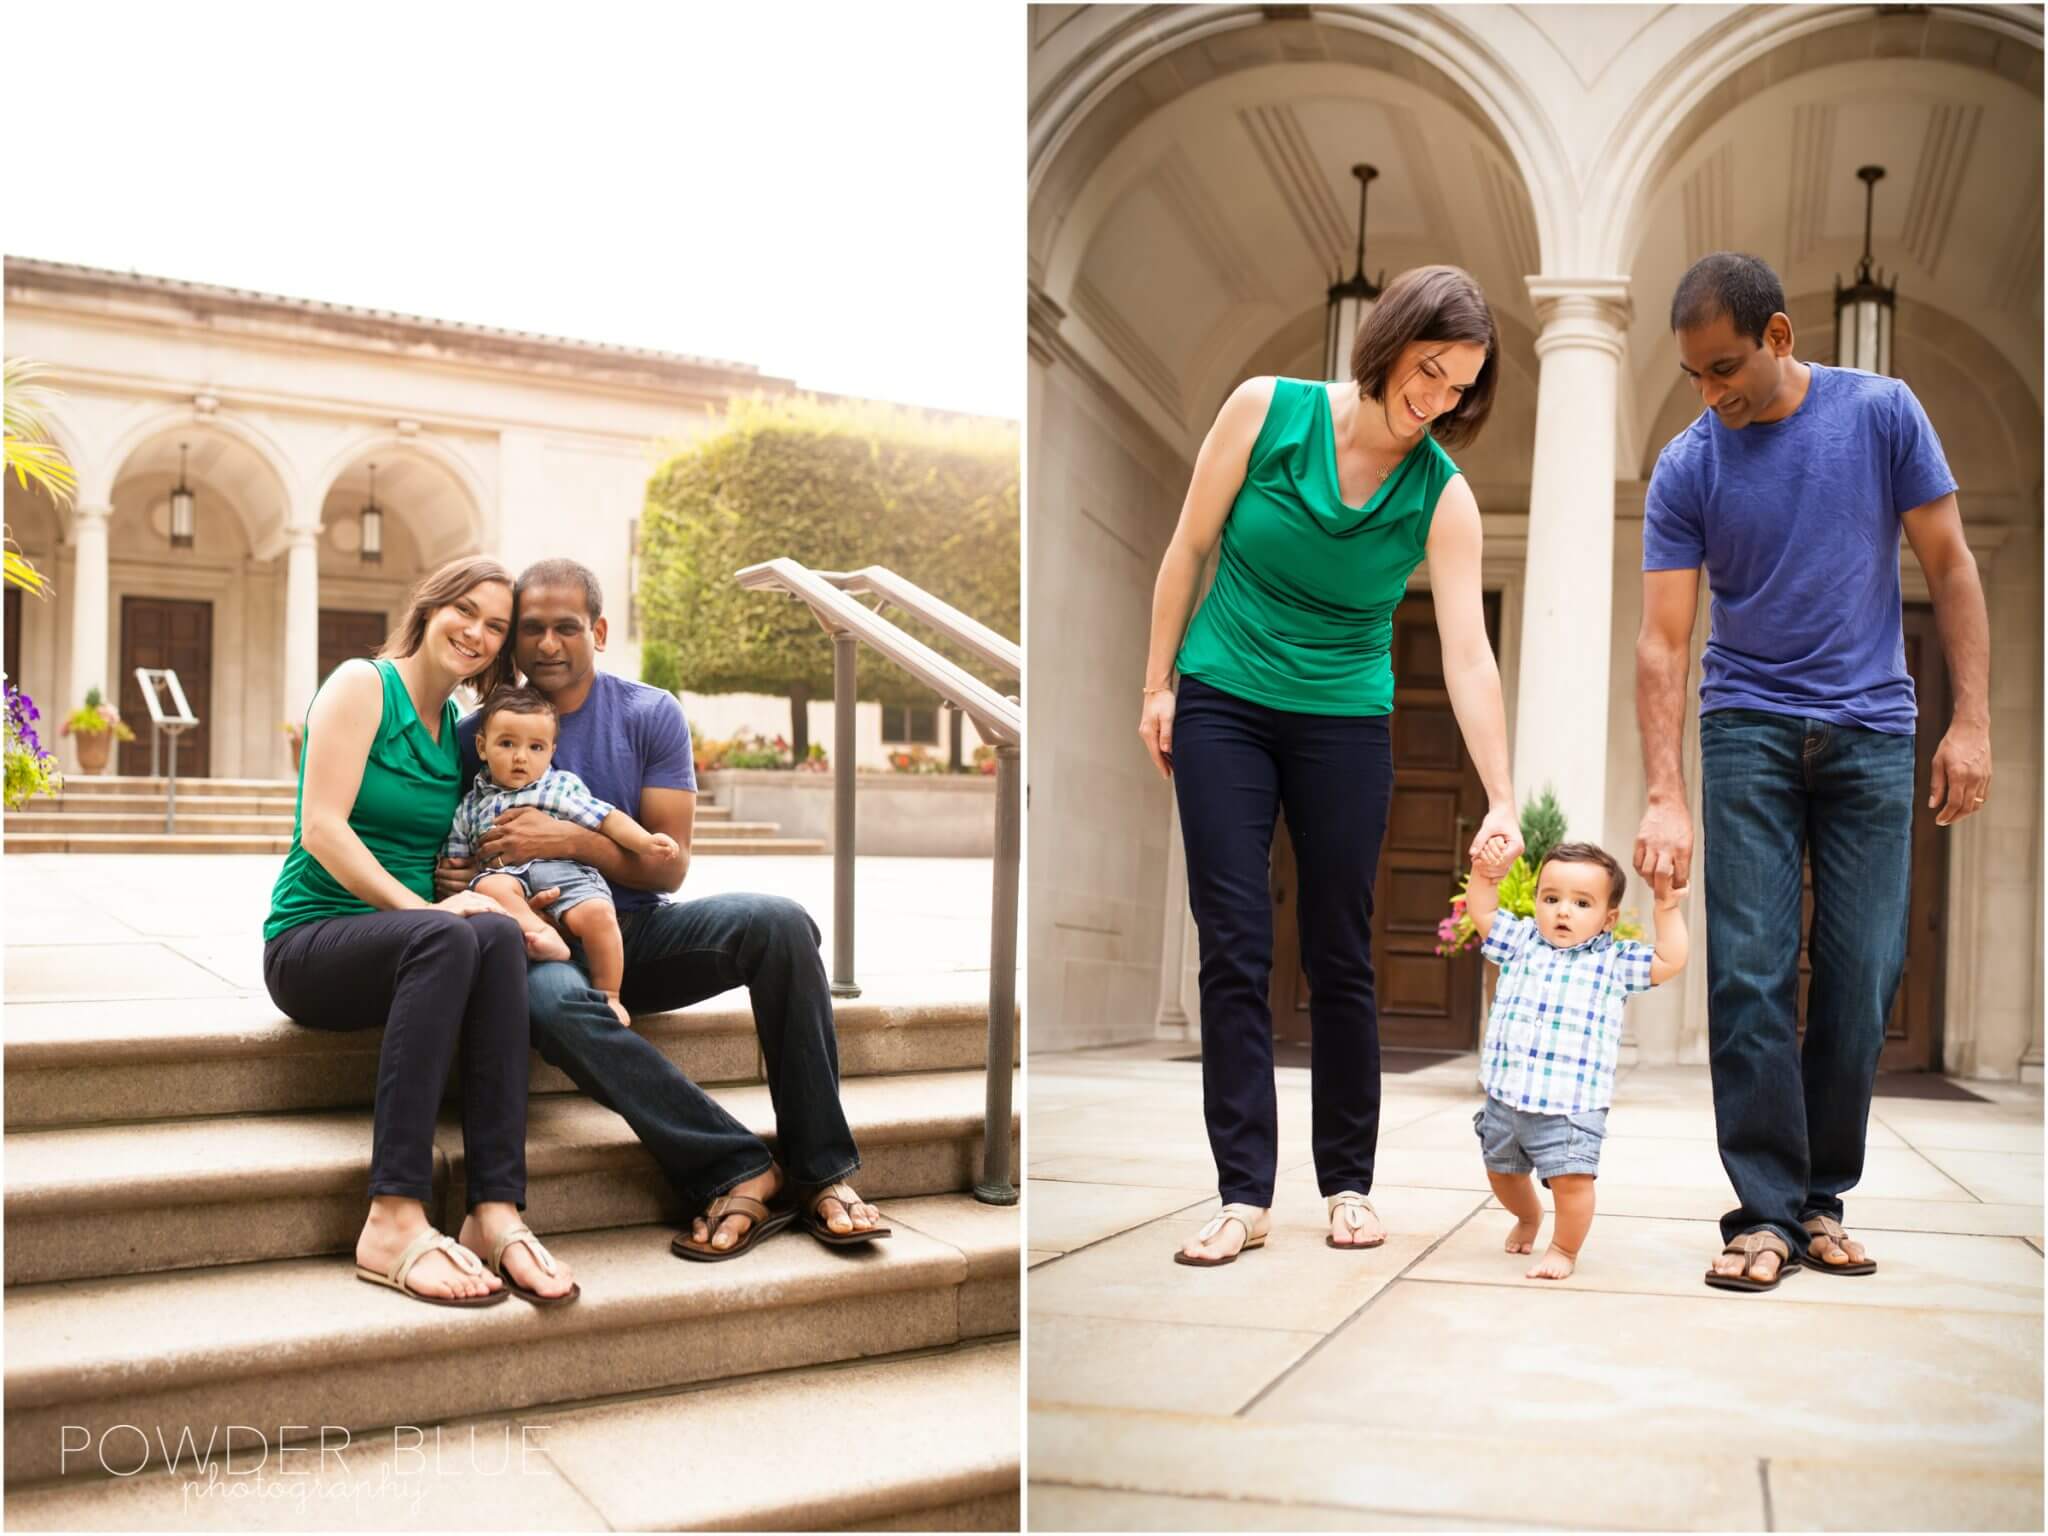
x=591 y=917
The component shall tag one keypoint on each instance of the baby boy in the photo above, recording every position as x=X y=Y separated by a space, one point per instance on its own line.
x=516 y=739
x=1554 y=1036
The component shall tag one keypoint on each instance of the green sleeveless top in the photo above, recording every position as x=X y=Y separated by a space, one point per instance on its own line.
x=1301 y=615
x=402 y=813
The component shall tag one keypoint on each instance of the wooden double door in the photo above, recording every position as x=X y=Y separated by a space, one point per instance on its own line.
x=1429 y=1003
x=175 y=634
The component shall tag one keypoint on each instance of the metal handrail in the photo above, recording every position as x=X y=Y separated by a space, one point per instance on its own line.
x=999 y=719
x=150 y=679
x=941 y=615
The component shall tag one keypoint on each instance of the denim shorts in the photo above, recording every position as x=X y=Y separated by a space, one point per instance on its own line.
x=579 y=882
x=1520 y=1141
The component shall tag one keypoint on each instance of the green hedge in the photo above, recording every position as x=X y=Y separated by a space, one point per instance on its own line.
x=834 y=485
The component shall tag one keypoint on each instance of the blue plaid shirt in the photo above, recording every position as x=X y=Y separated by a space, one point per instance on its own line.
x=1554 y=1035
x=558 y=792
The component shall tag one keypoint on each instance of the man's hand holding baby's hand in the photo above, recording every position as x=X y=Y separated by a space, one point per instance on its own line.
x=1670 y=894
x=661 y=846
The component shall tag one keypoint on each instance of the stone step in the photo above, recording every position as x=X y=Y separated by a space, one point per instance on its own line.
x=302 y=1342
x=937 y=1449
x=95 y=787
x=159 y=787
x=137 y=805
x=131 y=1199
x=181 y=842
x=75 y=1063
x=194 y=820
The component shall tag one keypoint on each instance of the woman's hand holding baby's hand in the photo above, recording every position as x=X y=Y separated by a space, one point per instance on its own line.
x=1495 y=846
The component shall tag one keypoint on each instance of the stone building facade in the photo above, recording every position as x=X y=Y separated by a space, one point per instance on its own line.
x=1191 y=199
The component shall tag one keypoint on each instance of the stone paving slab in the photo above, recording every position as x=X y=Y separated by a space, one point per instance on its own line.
x=1054 y=1508
x=1123 y=1362
x=1736 y=1375
x=1454 y=1477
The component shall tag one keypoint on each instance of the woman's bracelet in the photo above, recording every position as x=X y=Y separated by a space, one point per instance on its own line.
x=1162 y=688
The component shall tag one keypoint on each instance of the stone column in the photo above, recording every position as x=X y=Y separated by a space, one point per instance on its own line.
x=1567 y=603
x=90 y=599
x=301 y=619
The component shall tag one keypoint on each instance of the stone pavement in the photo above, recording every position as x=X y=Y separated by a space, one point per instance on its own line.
x=1427 y=1385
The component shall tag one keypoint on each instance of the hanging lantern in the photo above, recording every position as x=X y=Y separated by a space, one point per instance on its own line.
x=184 y=514
x=1864 y=311
x=1351 y=299
x=372 y=545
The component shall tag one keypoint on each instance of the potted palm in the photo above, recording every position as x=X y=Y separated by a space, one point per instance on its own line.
x=96 y=726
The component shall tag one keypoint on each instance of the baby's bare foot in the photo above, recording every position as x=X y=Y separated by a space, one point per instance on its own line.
x=619 y=1008
x=1554 y=1265
x=543 y=943
x=1522 y=1236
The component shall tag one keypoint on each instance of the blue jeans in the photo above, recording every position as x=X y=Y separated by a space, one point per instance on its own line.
x=677 y=954
x=1792 y=1122
x=1236 y=766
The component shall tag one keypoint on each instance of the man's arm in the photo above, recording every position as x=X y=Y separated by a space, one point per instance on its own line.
x=527 y=832
x=1663 y=653
x=1961 y=780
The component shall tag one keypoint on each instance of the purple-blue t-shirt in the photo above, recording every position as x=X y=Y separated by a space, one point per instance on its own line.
x=1797 y=523
x=627 y=737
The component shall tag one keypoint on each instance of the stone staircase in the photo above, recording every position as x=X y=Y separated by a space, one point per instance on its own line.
x=114 y=814
x=185 y=1182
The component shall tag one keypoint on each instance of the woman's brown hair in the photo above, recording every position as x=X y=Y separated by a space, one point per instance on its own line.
x=1431 y=304
x=451 y=582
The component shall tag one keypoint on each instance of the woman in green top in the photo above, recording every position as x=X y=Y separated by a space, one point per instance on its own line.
x=355 y=939
x=1324 y=498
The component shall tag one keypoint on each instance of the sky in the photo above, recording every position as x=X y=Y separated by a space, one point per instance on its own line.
x=831 y=193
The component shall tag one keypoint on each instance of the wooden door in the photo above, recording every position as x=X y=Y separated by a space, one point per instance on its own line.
x=1425 y=1001
x=1912 y=1035
x=178 y=634
x=346 y=633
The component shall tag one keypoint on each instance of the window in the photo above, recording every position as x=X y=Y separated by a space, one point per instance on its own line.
x=910 y=725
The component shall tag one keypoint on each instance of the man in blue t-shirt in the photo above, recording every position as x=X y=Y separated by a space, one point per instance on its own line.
x=1792 y=490
x=630 y=744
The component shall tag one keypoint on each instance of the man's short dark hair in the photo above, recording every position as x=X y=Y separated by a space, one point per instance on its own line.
x=518 y=699
x=1587 y=853
x=562 y=573
x=1743 y=288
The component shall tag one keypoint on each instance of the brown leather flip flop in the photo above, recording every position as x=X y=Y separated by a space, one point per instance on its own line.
x=1749 y=1245
x=765 y=1223
x=1827 y=1227
x=815 y=1223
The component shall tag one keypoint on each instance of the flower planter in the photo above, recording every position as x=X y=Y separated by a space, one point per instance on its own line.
x=94 y=749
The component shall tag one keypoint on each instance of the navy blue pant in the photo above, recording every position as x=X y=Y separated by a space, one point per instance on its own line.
x=679 y=953
x=440 y=985
x=1792 y=1121
x=1236 y=766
